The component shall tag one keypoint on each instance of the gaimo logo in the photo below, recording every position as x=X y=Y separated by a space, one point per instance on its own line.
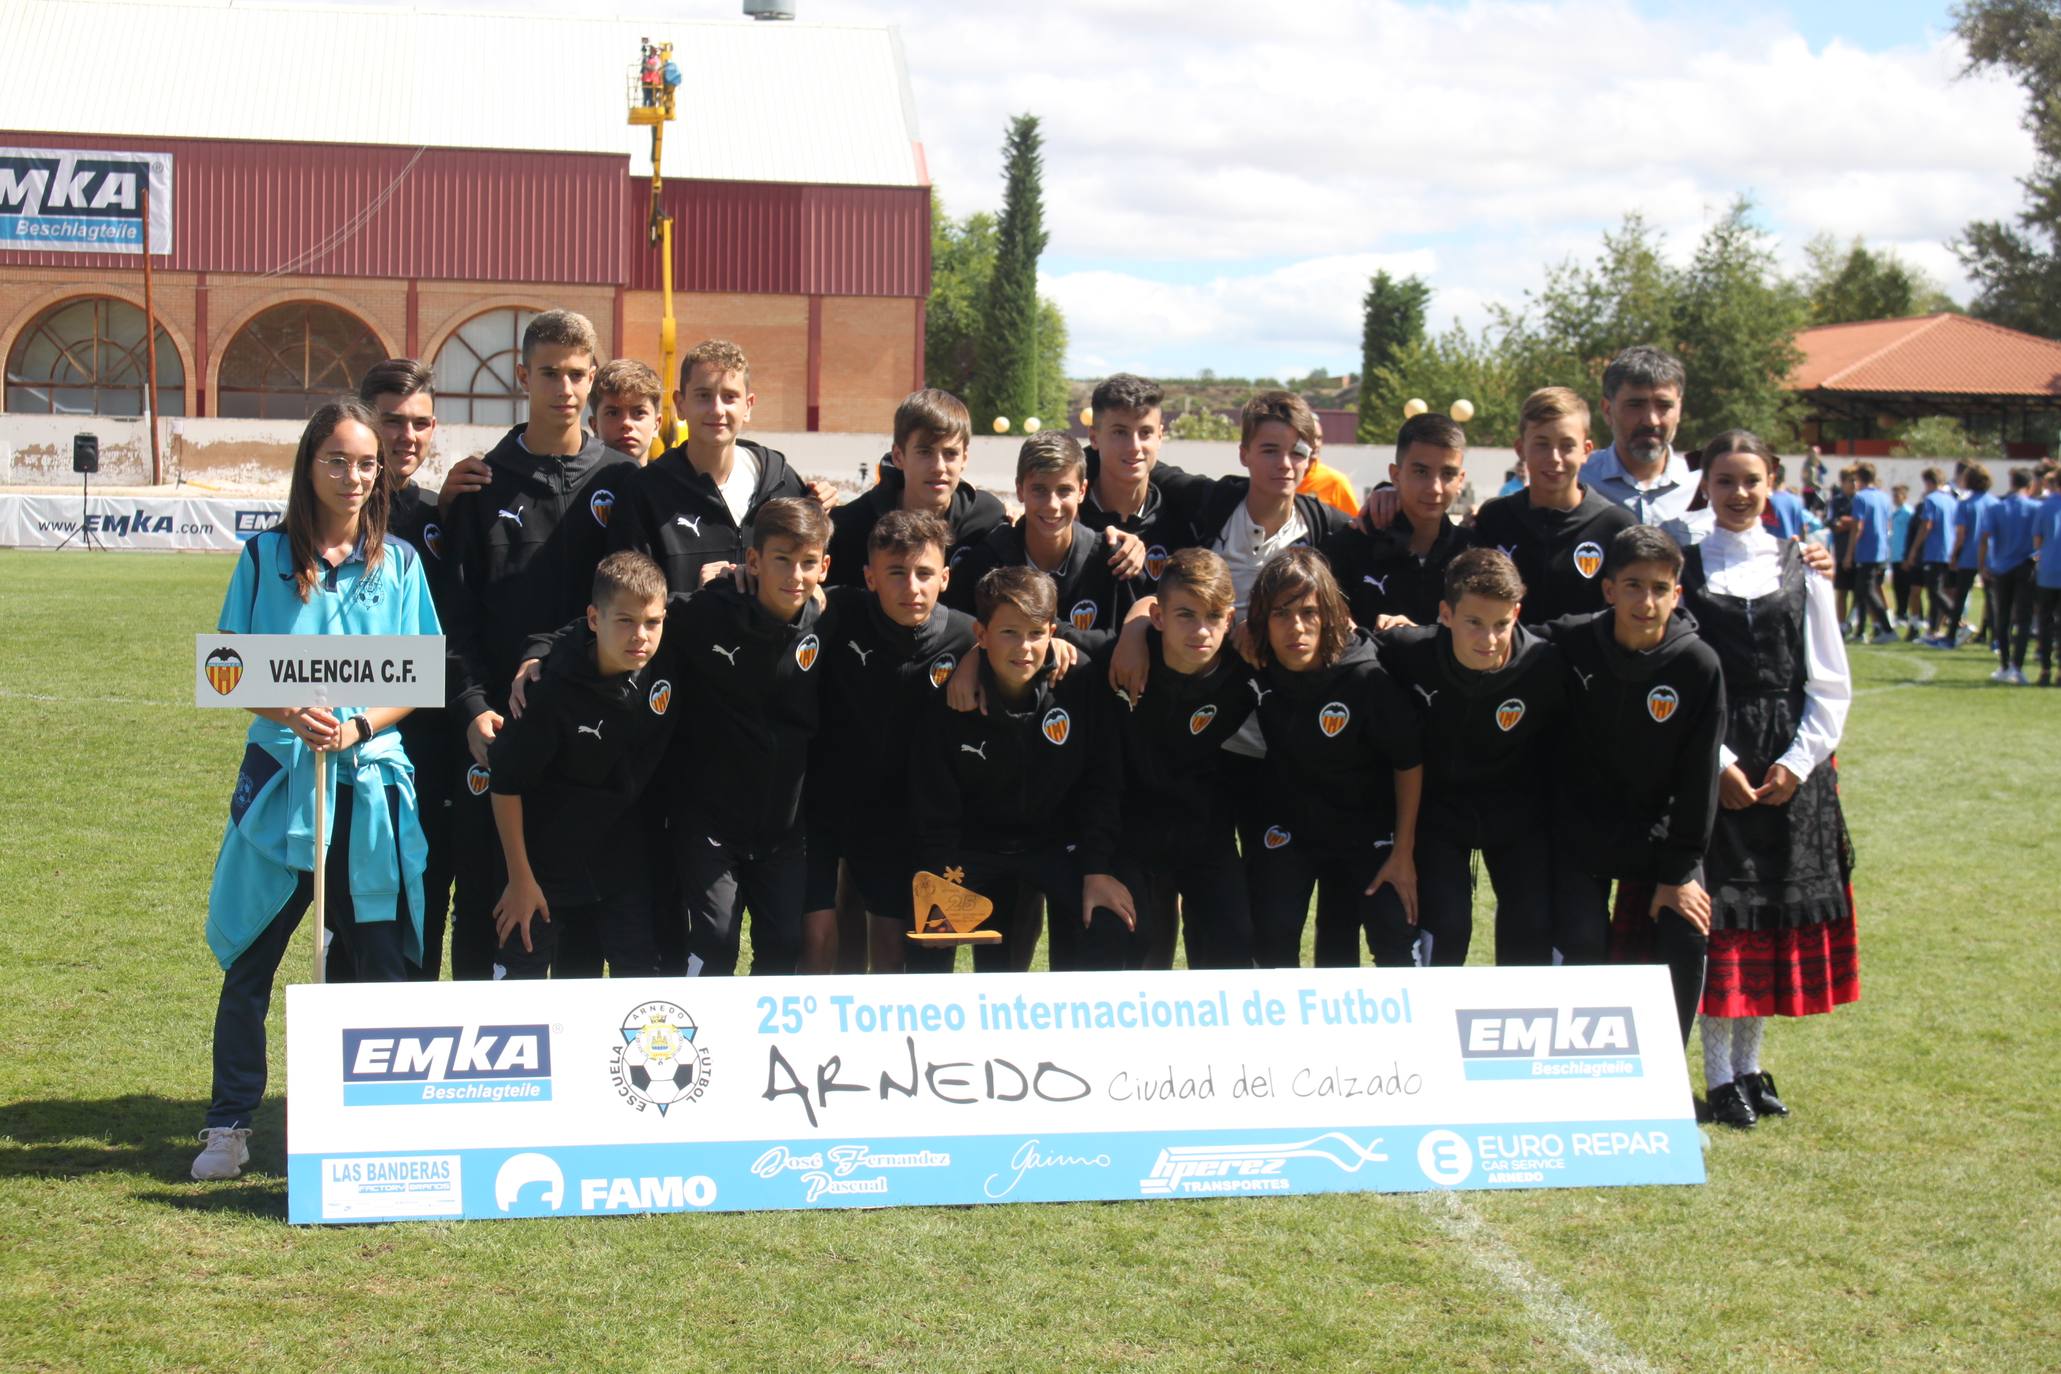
x=428 y=1065
x=1549 y=1042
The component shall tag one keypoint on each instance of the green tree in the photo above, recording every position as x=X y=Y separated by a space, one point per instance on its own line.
x=1391 y=322
x=1943 y=436
x=1054 y=396
x=1453 y=366
x=1200 y=422
x=1737 y=330
x=2016 y=267
x=1007 y=379
x=1851 y=282
x=962 y=260
x=1586 y=313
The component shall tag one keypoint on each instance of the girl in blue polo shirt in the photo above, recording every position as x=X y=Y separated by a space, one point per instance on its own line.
x=328 y=568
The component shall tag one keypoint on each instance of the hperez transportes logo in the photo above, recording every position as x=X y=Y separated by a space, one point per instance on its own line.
x=1550 y=1042
x=438 y=1065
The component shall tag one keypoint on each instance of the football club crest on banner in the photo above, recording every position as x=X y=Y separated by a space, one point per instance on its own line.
x=1058 y=725
x=1661 y=703
x=601 y=503
x=1508 y=714
x=476 y=780
x=1275 y=837
x=1155 y=561
x=661 y=696
x=225 y=670
x=805 y=652
x=941 y=670
x=1332 y=718
x=1588 y=558
x=1199 y=719
x=1083 y=615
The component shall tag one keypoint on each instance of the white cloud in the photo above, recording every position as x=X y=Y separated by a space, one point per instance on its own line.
x=1482 y=140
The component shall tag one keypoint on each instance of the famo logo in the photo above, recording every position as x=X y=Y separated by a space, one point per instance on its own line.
x=417 y=1065
x=1550 y=1042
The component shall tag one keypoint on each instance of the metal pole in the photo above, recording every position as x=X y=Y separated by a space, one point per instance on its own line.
x=157 y=475
x=321 y=859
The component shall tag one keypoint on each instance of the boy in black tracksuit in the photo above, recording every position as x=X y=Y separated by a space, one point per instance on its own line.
x=1400 y=570
x=1024 y=797
x=1129 y=489
x=569 y=770
x=1178 y=833
x=1051 y=474
x=922 y=472
x=1344 y=772
x=522 y=554
x=1491 y=696
x=692 y=507
x=1637 y=781
x=1556 y=530
x=891 y=650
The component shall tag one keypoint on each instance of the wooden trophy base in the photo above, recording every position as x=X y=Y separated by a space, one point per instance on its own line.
x=955 y=937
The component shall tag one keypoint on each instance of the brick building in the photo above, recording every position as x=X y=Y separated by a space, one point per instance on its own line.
x=353 y=183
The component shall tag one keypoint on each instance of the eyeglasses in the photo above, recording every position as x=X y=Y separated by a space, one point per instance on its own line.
x=421 y=424
x=343 y=469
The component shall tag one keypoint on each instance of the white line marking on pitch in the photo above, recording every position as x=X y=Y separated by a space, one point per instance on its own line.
x=1584 y=1333
x=12 y=695
x=1926 y=669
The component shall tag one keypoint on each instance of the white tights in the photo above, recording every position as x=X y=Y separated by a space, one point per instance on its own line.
x=1731 y=1048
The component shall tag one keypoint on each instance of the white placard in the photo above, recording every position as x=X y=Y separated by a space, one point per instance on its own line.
x=590 y=1097
x=318 y=670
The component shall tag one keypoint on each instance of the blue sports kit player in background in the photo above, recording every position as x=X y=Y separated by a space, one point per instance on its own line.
x=328 y=568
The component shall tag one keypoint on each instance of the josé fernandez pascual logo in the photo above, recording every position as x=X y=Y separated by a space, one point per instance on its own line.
x=1549 y=1042
x=390 y=1066
x=658 y=1062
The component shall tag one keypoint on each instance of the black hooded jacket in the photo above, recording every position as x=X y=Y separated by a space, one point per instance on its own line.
x=677 y=515
x=1558 y=553
x=1174 y=799
x=1380 y=576
x=1092 y=603
x=1336 y=738
x=972 y=516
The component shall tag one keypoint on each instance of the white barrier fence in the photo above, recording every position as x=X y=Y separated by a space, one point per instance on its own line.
x=159 y=523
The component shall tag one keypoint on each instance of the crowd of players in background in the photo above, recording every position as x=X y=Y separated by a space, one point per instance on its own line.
x=1156 y=708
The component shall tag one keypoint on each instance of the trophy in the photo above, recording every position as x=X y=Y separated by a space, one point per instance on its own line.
x=948 y=914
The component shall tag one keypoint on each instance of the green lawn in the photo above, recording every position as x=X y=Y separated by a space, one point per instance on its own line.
x=1904 y=1219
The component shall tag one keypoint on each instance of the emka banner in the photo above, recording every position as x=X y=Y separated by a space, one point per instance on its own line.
x=84 y=201
x=608 y=1096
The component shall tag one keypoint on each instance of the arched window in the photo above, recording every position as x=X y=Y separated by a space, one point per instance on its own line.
x=475 y=371
x=289 y=361
x=86 y=357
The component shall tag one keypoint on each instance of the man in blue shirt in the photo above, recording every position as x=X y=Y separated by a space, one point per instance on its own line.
x=2005 y=558
x=1931 y=541
x=2046 y=538
x=1903 y=601
x=1975 y=479
x=1640 y=470
x=1867 y=552
x=1784 y=513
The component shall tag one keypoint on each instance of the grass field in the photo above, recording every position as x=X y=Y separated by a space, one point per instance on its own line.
x=1905 y=1218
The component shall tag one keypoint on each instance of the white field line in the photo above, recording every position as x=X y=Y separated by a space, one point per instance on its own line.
x=9 y=694
x=1925 y=668
x=1548 y=1305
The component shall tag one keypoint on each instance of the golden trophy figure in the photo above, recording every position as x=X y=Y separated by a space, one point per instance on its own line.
x=948 y=914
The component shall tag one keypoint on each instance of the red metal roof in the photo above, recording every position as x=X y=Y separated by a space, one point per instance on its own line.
x=787 y=240
x=1932 y=355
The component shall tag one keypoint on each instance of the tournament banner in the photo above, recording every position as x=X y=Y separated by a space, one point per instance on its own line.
x=317 y=670
x=80 y=201
x=164 y=523
x=607 y=1096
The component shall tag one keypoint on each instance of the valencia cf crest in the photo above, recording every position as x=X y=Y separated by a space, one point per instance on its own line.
x=602 y=504
x=1588 y=558
x=941 y=670
x=805 y=652
x=660 y=696
x=225 y=670
x=1508 y=714
x=1058 y=725
x=1199 y=719
x=1661 y=703
x=1083 y=614
x=1276 y=838
x=433 y=540
x=1332 y=718
x=1155 y=561
x=476 y=780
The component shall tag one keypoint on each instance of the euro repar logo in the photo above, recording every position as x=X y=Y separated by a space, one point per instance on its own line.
x=1549 y=1042
x=391 y=1066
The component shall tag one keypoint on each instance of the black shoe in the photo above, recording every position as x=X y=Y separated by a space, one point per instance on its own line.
x=1729 y=1107
x=1702 y=1111
x=1760 y=1091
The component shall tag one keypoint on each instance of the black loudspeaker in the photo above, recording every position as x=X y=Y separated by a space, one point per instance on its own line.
x=86 y=454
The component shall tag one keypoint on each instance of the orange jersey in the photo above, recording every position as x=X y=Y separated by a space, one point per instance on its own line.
x=1330 y=486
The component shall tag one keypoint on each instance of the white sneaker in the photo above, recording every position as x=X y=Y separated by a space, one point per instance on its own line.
x=225 y=1153
x=2002 y=675
x=1884 y=637
x=2018 y=677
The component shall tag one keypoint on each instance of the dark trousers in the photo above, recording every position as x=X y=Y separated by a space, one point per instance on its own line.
x=720 y=881
x=376 y=950
x=1209 y=891
x=1868 y=581
x=477 y=873
x=1282 y=882
x=1902 y=580
x=577 y=939
x=2011 y=593
x=1961 y=582
x=2047 y=605
x=1939 y=594
x=1521 y=872
x=1581 y=917
x=433 y=806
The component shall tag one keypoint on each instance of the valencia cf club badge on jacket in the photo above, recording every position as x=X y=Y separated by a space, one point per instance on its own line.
x=660 y=696
x=1200 y=717
x=602 y=504
x=1276 y=838
x=1661 y=703
x=1082 y=616
x=476 y=780
x=941 y=670
x=1333 y=717
x=1155 y=561
x=805 y=652
x=1588 y=558
x=1508 y=714
x=1058 y=725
